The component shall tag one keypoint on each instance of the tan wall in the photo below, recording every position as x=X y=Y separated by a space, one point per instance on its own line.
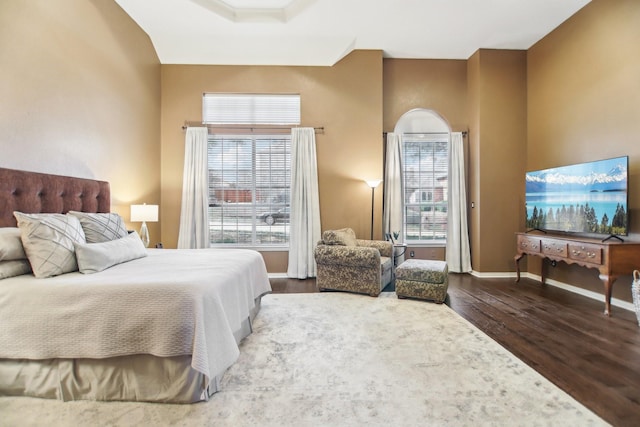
x=345 y=99
x=498 y=146
x=584 y=104
x=80 y=96
x=473 y=139
x=487 y=95
x=439 y=85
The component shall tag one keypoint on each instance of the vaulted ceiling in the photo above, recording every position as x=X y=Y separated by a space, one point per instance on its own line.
x=321 y=32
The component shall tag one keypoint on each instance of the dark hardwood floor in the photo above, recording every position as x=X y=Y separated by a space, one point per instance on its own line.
x=564 y=336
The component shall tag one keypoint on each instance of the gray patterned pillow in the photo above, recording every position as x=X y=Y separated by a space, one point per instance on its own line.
x=48 y=242
x=101 y=227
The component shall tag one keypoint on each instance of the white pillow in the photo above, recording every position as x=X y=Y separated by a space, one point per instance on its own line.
x=48 y=242
x=11 y=244
x=95 y=257
x=13 y=268
x=101 y=227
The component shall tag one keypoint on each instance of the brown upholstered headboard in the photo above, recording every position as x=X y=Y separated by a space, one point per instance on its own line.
x=33 y=192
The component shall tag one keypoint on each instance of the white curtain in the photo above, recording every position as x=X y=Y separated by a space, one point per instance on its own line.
x=194 y=222
x=458 y=253
x=305 y=204
x=393 y=203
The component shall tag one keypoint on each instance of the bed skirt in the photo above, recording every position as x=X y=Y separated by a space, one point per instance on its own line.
x=138 y=377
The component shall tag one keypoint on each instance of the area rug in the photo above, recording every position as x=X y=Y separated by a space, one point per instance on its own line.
x=338 y=359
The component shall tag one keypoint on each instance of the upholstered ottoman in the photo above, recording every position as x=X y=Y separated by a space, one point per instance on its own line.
x=422 y=279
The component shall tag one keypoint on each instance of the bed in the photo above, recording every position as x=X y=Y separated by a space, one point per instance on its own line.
x=163 y=326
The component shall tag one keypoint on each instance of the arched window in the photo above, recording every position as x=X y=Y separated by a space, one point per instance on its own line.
x=425 y=170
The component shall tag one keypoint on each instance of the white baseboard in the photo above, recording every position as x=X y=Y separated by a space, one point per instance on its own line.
x=493 y=275
x=277 y=275
x=567 y=287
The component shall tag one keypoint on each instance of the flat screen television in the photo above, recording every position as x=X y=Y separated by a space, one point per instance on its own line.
x=587 y=198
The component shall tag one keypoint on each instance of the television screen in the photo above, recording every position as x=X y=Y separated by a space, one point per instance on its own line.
x=583 y=198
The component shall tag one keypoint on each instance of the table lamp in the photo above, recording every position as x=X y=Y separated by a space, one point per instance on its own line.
x=144 y=213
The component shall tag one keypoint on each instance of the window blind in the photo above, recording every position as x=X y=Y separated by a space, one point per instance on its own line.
x=426 y=189
x=251 y=109
x=249 y=189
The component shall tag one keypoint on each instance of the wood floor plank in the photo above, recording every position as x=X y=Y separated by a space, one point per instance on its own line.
x=568 y=366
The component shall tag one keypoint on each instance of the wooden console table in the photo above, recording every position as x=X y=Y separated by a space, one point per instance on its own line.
x=612 y=258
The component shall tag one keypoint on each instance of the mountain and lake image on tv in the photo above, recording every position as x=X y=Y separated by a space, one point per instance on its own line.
x=589 y=198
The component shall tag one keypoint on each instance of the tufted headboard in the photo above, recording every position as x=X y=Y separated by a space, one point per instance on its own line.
x=33 y=192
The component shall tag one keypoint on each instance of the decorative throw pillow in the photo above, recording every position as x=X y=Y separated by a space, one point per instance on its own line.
x=344 y=237
x=95 y=257
x=11 y=244
x=48 y=242
x=13 y=268
x=101 y=227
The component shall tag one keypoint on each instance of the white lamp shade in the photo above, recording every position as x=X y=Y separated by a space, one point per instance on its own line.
x=373 y=183
x=142 y=213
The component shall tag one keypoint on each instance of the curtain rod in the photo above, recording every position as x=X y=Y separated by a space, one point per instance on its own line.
x=464 y=133
x=245 y=127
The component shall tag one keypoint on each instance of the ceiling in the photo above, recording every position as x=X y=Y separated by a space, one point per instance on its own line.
x=321 y=32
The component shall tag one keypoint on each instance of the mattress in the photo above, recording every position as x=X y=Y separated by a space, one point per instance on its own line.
x=176 y=316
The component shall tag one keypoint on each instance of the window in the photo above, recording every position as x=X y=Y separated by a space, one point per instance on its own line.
x=249 y=190
x=250 y=109
x=250 y=168
x=425 y=174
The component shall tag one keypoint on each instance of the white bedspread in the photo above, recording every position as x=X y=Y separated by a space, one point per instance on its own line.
x=173 y=302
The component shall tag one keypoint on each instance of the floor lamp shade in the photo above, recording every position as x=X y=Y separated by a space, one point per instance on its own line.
x=143 y=213
x=373 y=183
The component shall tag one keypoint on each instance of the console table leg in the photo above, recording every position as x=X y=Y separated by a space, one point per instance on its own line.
x=608 y=285
x=518 y=258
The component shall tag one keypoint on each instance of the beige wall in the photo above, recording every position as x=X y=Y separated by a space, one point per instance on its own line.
x=473 y=139
x=497 y=87
x=584 y=104
x=438 y=85
x=80 y=96
x=345 y=99
x=487 y=96
x=350 y=99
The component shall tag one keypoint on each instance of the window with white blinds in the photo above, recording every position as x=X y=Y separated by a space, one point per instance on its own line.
x=249 y=180
x=250 y=170
x=425 y=174
x=252 y=109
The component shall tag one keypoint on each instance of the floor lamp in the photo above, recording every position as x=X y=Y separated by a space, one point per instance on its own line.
x=373 y=183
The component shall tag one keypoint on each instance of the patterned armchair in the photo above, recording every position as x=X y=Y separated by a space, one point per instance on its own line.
x=345 y=263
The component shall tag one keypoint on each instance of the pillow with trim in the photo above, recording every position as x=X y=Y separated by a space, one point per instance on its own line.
x=96 y=257
x=13 y=268
x=10 y=244
x=100 y=227
x=48 y=242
